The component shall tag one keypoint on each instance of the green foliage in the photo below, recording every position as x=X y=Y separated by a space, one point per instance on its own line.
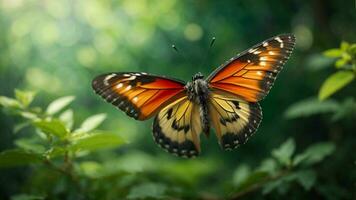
x=96 y=141
x=58 y=104
x=91 y=123
x=310 y=107
x=335 y=82
x=53 y=137
x=27 y=197
x=55 y=147
x=18 y=157
x=147 y=190
x=345 y=63
x=282 y=169
x=284 y=152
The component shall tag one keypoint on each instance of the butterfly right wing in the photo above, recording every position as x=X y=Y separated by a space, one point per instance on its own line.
x=177 y=127
x=233 y=119
x=251 y=74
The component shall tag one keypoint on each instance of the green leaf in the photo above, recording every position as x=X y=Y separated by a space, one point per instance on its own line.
x=147 y=190
x=30 y=144
x=67 y=118
x=306 y=178
x=241 y=174
x=344 y=45
x=28 y=115
x=340 y=63
x=59 y=104
x=52 y=127
x=189 y=171
x=252 y=179
x=27 y=197
x=91 y=122
x=9 y=102
x=268 y=165
x=97 y=141
x=18 y=157
x=24 y=97
x=352 y=49
x=315 y=153
x=284 y=153
x=18 y=127
x=334 y=83
x=333 y=53
x=91 y=169
x=347 y=108
x=272 y=185
x=55 y=152
x=311 y=106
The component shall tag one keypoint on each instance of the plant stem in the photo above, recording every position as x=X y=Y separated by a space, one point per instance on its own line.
x=258 y=185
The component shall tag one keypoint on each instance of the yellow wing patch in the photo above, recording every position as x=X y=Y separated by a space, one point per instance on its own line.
x=233 y=119
x=177 y=128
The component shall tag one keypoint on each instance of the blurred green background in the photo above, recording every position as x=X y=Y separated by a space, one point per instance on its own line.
x=56 y=48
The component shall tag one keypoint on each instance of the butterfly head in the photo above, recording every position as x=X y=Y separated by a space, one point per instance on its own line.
x=198 y=88
x=197 y=76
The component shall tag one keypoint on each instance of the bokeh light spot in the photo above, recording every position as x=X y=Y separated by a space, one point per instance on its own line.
x=193 y=32
x=304 y=37
x=86 y=56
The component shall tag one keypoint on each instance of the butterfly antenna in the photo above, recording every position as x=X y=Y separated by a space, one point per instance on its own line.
x=178 y=52
x=208 y=52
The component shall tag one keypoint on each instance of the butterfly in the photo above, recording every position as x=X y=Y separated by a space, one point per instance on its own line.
x=227 y=100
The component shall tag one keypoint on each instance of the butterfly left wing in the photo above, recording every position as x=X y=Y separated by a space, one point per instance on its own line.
x=250 y=75
x=233 y=119
x=139 y=95
x=177 y=127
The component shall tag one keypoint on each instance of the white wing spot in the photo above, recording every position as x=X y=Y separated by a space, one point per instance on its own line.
x=256 y=52
x=135 y=99
x=263 y=58
x=259 y=73
x=251 y=50
x=278 y=39
x=131 y=78
x=248 y=61
x=263 y=63
x=265 y=44
x=271 y=53
x=107 y=78
x=119 y=85
x=128 y=88
x=127 y=75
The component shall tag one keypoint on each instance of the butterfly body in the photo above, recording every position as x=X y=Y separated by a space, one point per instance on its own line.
x=227 y=100
x=198 y=91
